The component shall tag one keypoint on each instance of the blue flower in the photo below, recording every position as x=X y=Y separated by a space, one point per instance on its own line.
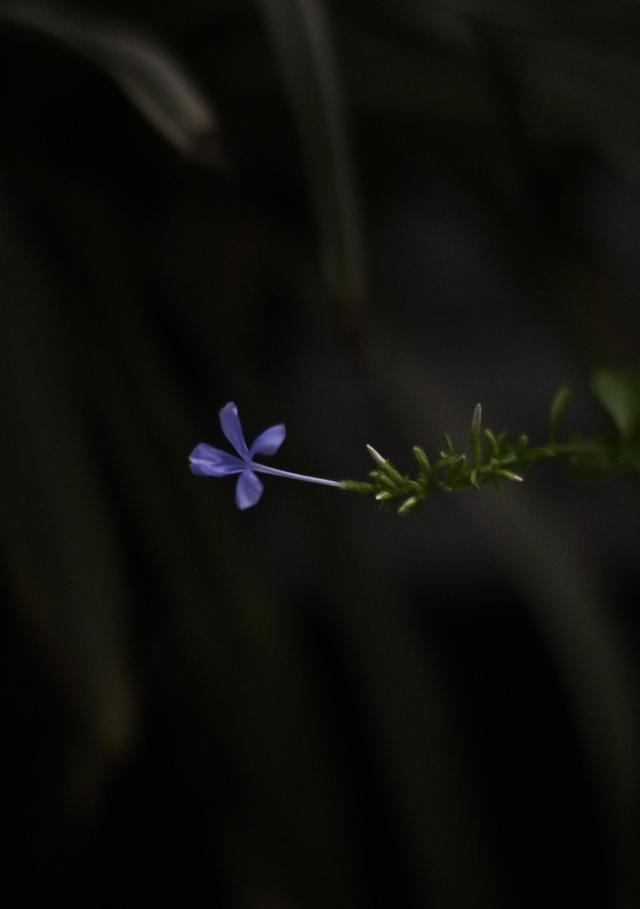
x=207 y=461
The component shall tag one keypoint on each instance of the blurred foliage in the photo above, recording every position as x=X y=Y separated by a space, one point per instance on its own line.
x=619 y=394
x=377 y=212
x=151 y=79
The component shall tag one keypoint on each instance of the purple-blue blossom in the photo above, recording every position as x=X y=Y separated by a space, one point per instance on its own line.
x=207 y=461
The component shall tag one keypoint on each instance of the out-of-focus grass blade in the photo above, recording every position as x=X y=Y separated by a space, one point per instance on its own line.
x=150 y=77
x=577 y=61
x=300 y=37
x=421 y=753
x=592 y=659
x=562 y=595
x=57 y=530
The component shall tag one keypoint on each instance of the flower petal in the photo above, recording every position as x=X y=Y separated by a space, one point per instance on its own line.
x=207 y=461
x=248 y=489
x=269 y=441
x=232 y=428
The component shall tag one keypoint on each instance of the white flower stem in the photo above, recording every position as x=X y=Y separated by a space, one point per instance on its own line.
x=274 y=472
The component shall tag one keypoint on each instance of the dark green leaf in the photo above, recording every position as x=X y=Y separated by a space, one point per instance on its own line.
x=619 y=394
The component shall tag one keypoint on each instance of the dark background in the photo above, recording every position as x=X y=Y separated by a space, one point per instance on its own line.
x=378 y=214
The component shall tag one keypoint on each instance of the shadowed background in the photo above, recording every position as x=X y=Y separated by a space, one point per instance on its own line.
x=359 y=219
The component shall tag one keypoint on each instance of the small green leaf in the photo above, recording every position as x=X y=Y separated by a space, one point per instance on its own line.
x=377 y=457
x=422 y=459
x=559 y=405
x=509 y=475
x=493 y=443
x=408 y=505
x=383 y=480
x=386 y=467
x=619 y=394
x=394 y=475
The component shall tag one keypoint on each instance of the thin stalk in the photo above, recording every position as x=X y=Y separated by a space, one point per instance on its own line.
x=275 y=472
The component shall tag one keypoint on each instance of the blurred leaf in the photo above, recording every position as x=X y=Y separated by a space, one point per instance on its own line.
x=58 y=526
x=619 y=394
x=575 y=62
x=559 y=405
x=299 y=33
x=150 y=77
x=419 y=746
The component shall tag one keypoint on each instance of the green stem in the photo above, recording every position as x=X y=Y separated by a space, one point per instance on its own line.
x=452 y=473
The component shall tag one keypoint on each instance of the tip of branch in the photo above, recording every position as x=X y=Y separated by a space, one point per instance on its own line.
x=476 y=419
x=377 y=457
